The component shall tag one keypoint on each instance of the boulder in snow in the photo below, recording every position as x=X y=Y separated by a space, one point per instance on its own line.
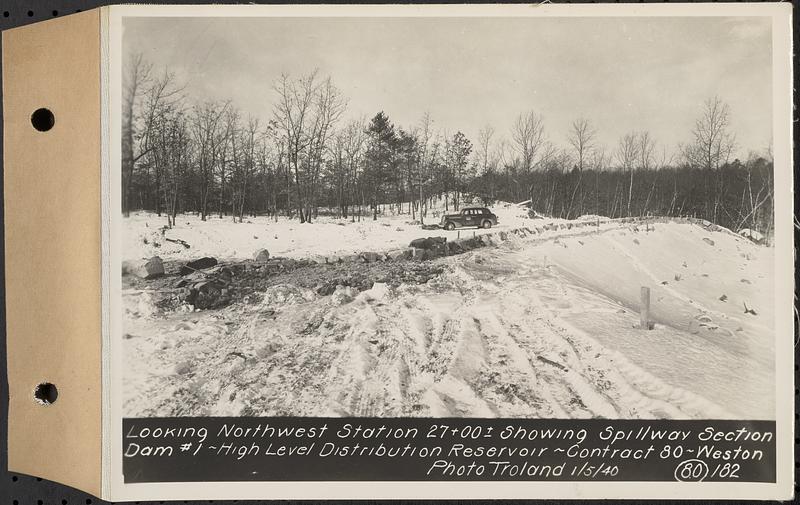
x=198 y=264
x=752 y=235
x=342 y=295
x=286 y=294
x=262 y=256
x=400 y=254
x=469 y=244
x=378 y=291
x=371 y=257
x=208 y=294
x=427 y=243
x=351 y=258
x=454 y=248
x=144 y=269
x=418 y=254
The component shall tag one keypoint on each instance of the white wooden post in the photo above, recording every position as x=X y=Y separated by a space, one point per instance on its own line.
x=644 y=311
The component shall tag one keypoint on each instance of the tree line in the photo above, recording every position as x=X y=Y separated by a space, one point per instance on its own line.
x=181 y=155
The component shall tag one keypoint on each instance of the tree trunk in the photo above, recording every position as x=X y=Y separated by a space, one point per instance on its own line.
x=630 y=194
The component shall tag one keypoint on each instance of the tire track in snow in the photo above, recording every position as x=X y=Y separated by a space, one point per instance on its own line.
x=515 y=374
x=634 y=390
x=605 y=390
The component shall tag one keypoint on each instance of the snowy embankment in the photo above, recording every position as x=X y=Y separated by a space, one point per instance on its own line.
x=711 y=298
x=327 y=236
x=533 y=327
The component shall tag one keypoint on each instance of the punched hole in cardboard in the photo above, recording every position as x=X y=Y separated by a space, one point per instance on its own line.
x=45 y=393
x=43 y=119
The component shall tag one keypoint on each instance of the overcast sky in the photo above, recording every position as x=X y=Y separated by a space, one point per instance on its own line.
x=623 y=74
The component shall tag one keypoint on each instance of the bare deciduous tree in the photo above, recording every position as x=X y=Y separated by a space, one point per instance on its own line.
x=329 y=105
x=291 y=113
x=424 y=135
x=581 y=138
x=646 y=149
x=160 y=101
x=712 y=142
x=306 y=112
x=627 y=154
x=485 y=146
x=209 y=136
x=712 y=147
x=528 y=136
x=135 y=77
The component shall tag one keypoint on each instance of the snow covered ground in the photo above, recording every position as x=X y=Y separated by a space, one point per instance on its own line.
x=224 y=239
x=537 y=327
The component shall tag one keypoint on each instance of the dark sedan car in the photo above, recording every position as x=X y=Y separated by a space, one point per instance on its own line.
x=469 y=216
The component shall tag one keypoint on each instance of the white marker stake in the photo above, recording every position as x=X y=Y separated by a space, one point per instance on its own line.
x=644 y=313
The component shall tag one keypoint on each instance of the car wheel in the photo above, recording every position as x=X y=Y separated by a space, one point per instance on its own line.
x=450 y=226
x=487 y=224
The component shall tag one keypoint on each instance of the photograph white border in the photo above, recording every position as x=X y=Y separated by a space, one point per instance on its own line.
x=115 y=489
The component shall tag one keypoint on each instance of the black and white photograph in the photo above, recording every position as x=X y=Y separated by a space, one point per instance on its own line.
x=448 y=217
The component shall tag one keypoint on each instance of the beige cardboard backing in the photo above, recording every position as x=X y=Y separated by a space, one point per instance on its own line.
x=52 y=247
